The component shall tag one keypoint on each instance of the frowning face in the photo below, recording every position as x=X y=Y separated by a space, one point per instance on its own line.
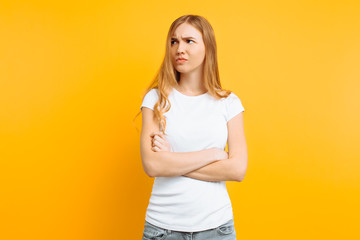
x=187 y=49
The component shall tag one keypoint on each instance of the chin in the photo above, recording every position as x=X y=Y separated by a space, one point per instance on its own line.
x=181 y=70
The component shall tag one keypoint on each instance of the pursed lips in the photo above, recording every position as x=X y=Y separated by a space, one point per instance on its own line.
x=181 y=60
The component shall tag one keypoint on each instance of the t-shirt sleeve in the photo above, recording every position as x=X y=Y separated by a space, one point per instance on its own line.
x=234 y=106
x=150 y=99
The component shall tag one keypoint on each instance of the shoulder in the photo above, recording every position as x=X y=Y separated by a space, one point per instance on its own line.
x=152 y=94
x=225 y=92
x=233 y=106
x=222 y=92
x=150 y=98
x=231 y=97
x=223 y=95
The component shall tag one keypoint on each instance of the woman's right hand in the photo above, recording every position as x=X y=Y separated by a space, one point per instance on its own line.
x=220 y=154
x=159 y=142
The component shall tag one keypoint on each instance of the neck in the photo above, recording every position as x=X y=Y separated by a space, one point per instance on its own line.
x=192 y=83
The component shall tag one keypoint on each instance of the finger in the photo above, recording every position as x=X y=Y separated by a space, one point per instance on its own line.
x=162 y=136
x=163 y=147
x=158 y=144
x=156 y=149
x=152 y=141
x=163 y=140
x=155 y=133
x=158 y=138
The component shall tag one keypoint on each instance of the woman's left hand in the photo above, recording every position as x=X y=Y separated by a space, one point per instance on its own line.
x=159 y=142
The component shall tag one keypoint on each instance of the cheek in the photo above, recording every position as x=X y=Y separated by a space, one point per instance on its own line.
x=173 y=60
x=200 y=55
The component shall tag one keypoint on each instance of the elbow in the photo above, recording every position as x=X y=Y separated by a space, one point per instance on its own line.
x=150 y=173
x=158 y=172
x=239 y=168
x=150 y=170
x=153 y=168
x=240 y=179
x=148 y=167
x=240 y=175
x=149 y=163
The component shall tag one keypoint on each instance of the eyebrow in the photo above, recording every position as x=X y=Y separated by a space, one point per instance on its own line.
x=183 y=38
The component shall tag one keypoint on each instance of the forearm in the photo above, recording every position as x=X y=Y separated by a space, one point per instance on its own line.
x=225 y=170
x=171 y=164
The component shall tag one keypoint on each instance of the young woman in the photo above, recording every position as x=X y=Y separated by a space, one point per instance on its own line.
x=187 y=119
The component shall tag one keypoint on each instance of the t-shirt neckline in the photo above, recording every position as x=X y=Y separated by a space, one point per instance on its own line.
x=189 y=97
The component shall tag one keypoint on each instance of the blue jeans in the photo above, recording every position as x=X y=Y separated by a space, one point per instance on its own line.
x=223 y=232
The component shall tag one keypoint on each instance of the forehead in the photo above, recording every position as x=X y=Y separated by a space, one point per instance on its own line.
x=186 y=30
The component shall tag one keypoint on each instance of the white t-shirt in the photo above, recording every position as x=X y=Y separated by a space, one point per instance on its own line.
x=193 y=123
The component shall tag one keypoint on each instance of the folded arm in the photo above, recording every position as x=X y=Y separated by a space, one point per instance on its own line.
x=170 y=164
x=231 y=169
x=226 y=170
x=234 y=168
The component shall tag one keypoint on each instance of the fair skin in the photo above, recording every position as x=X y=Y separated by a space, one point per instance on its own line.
x=187 y=42
x=208 y=165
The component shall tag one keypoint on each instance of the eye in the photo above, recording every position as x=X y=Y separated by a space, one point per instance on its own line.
x=173 y=41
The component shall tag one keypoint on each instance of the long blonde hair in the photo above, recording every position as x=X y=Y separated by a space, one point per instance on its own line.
x=168 y=77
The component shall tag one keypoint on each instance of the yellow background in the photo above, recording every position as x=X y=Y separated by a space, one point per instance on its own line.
x=72 y=75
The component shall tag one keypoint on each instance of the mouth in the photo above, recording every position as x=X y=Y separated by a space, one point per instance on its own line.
x=181 y=60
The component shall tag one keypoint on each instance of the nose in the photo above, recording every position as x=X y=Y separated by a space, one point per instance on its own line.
x=181 y=48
